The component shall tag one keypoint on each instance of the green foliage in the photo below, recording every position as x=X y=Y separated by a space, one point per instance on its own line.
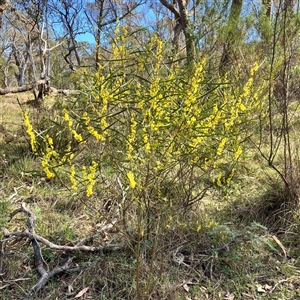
x=163 y=130
x=150 y=122
x=168 y=135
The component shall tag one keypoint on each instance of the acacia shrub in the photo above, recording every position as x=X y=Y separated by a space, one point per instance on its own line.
x=162 y=129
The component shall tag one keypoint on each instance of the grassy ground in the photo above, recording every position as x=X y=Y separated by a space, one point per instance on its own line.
x=225 y=248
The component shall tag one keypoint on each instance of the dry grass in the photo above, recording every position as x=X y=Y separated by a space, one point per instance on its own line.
x=175 y=261
x=10 y=112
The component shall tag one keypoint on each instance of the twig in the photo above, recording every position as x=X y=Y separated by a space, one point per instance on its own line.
x=277 y=283
x=178 y=257
x=14 y=213
x=47 y=275
x=5 y=286
x=15 y=280
x=15 y=192
x=8 y=283
x=38 y=258
x=38 y=238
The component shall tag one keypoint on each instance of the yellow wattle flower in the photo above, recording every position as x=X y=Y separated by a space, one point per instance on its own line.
x=132 y=182
x=30 y=132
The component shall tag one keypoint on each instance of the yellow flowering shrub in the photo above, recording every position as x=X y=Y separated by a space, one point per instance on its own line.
x=148 y=121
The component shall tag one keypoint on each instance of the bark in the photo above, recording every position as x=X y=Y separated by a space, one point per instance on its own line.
x=43 y=87
x=175 y=41
x=72 y=45
x=67 y=58
x=21 y=63
x=289 y=5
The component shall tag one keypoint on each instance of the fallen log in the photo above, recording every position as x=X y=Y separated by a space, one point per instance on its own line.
x=32 y=86
x=20 y=89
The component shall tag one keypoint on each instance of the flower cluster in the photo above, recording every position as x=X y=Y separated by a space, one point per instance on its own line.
x=155 y=119
x=76 y=135
x=49 y=157
x=30 y=132
x=89 y=177
x=132 y=182
x=91 y=129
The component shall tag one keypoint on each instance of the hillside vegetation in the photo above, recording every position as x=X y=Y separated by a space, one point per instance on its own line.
x=160 y=161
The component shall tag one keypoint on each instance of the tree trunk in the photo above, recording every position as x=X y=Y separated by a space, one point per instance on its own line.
x=100 y=3
x=289 y=5
x=43 y=86
x=232 y=35
x=188 y=35
x=182 y=24
x=21 y=64
x=3 y=6
x=268 y=5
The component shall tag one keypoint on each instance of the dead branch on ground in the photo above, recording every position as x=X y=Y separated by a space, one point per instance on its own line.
x=38 y=258
x=24 y=88
x=32 y=86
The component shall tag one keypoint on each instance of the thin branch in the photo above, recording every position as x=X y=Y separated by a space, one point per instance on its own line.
x=38 y=258
x=171 y=7
x=114 y=20
x=47 y=275
x=40 y=239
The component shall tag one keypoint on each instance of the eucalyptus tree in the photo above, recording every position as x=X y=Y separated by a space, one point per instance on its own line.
x=28 y=45
x=179 y=8
x=196 y=25
x=36 y=15
x=21 y=21
x=69 y=22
